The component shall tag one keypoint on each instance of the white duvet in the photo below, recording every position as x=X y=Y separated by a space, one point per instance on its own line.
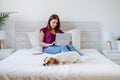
x=23 y=65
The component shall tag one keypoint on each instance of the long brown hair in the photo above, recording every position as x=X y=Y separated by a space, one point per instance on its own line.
x=54 y=16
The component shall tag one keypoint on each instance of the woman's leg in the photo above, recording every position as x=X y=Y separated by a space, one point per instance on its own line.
x=71 y=48
x=55 y=49
x=64 y=49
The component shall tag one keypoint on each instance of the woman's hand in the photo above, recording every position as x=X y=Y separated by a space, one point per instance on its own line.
x=70 y=42
x=51 y=44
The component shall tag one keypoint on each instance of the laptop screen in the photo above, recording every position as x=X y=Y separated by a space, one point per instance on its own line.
x=63 y=38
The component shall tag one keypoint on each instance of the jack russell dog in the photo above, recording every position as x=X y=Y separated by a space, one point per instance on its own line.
x=63 y=58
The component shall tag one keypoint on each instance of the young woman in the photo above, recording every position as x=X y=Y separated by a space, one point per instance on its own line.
x=48 y=35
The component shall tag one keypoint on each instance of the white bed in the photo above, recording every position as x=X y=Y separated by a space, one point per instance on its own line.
x=23 y=65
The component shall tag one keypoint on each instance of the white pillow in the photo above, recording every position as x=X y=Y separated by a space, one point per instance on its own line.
x=75 y=37
x=34 y=38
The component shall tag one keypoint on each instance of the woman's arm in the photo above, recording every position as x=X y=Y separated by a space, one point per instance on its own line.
x=42 y=43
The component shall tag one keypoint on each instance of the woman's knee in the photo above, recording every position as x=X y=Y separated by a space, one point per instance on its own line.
x=52 y=50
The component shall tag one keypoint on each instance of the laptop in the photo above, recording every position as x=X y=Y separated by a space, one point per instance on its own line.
x=63 y=38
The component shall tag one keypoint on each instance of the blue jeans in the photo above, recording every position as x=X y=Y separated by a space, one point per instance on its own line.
x=58 y=49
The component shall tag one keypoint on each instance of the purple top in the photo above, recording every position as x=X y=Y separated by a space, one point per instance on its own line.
x=49 y=37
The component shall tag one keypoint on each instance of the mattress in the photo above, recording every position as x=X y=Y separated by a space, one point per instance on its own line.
x=23 y=65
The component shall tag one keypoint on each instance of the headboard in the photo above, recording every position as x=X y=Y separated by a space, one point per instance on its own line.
x=90 y=32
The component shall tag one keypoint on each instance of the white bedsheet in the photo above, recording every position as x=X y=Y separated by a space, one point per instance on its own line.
x=23 y=65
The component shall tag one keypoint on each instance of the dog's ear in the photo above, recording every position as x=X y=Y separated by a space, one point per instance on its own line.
x=45 y=59
x=56 y=61
x=48 y=62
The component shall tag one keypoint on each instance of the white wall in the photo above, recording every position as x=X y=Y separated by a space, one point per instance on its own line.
x=107 y=12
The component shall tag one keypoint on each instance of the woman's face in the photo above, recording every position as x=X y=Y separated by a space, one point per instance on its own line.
x=53 y=23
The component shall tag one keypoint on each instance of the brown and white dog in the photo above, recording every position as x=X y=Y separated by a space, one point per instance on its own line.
x=63 y=58
x=51 y=61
